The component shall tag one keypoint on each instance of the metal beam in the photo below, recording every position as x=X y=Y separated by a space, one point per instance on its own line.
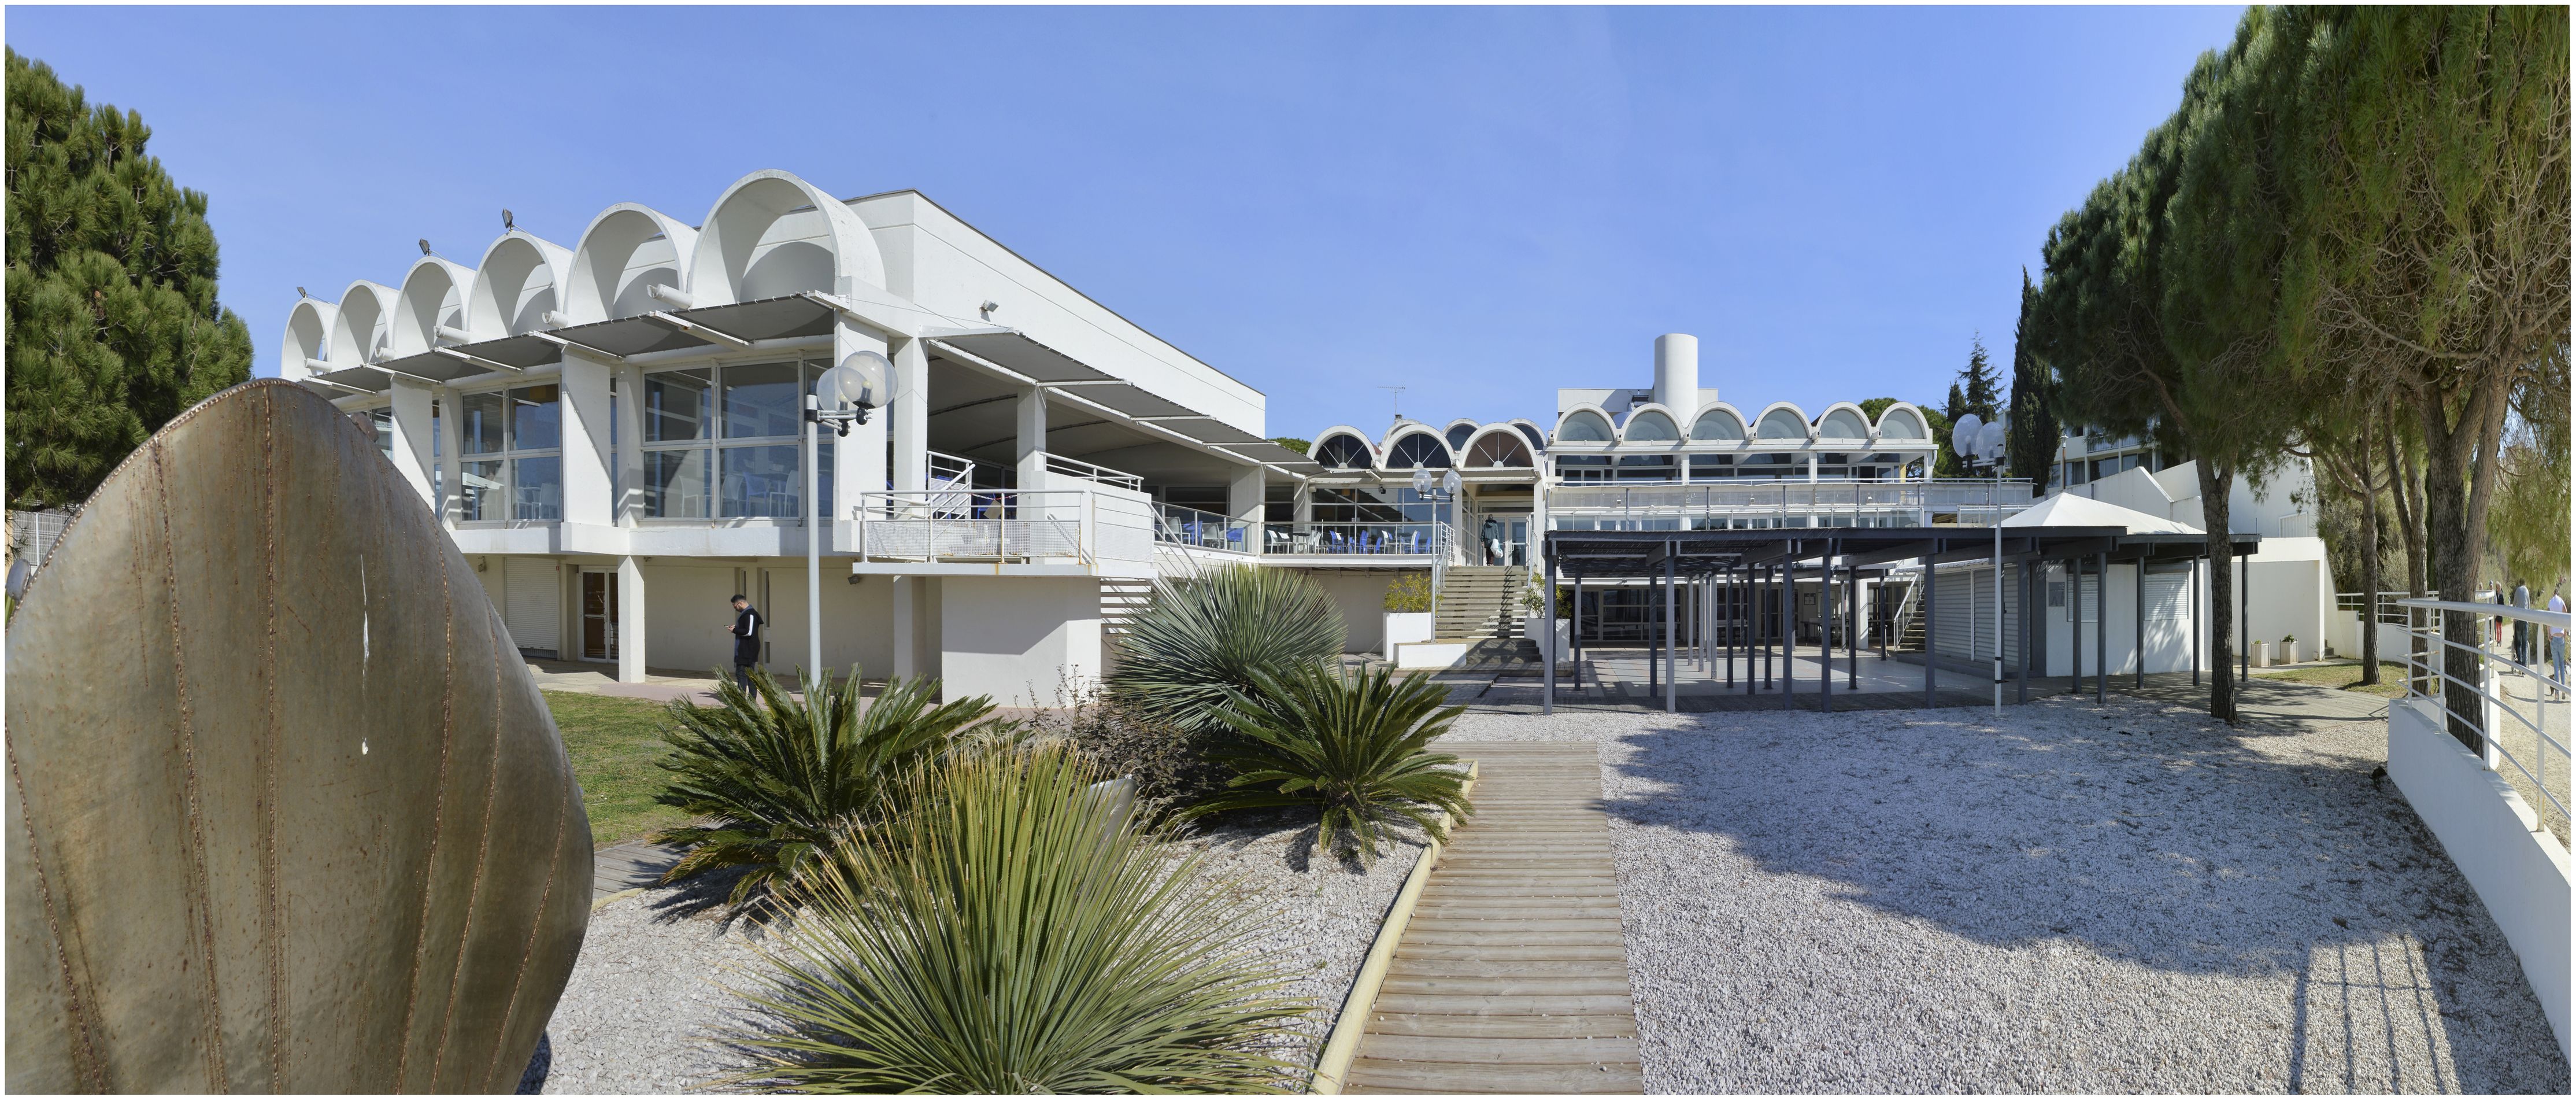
x=702 y=332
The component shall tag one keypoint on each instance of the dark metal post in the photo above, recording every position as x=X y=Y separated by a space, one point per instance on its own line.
x=1654 y=667
x=1851 y=608
x=2140 y=596
x=2075 y=625
x=1825 y=635
x=1547 y=654
x=2026 y=624
x=2101 y=627
x=1672 y=667
x=2244 y=625
x=1574 y=632
x=1930 y=645
x=2191 y=602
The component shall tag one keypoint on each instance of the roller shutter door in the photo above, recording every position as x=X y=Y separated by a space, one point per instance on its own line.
x=534 y=603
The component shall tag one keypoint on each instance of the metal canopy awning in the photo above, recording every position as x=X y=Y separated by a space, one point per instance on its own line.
x=1009 y=347
x=1591 y=554
x=1266 y=451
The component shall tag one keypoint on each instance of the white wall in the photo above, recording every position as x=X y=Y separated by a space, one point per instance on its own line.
x=856 y=622
x=685 y=616
x=1360 y=595
x=1018 y=639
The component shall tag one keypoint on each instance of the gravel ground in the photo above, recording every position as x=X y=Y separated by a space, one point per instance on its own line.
x=2074 y=900
x=644 y=994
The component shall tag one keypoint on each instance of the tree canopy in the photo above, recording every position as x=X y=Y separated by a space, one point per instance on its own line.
x=113 y=323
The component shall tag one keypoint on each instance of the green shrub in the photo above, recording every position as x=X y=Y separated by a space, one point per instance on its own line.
x=777 y=775
x=1410 y=592
x=1203 y=635
x=1351 y=745
x=1016 y=930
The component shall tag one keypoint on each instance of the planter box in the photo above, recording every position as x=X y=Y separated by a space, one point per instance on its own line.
x=2262 y=654
x=1551 y=643
x=1403 y=627
x=2289 y=653
x=1412 y=655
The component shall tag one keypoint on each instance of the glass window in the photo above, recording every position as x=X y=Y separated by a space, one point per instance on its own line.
x=482 y=495
x=1718 y=424
x=1783 y=424
x=1418 y=450
x=382 y=420
x=760 y=481
x=1711 y=467
x=1341 y=452
x=676 y=406
x=675 y=484
x=1652 y=427
x=1843 y=424
x=1899 y=424
x=1646 y=468
x=437 y=438
x=1772 y=465
x=481 y=428
x=536 y=418
x=536 y=488
x=1584 y=426
x=1583 y=467
x=760 y=401
x=1458 y=434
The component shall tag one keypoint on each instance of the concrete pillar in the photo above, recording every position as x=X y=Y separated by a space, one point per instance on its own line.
x=630 y=619
x=586 y=455
x=1244 y=500
x=628 y=459
x=412 y=433
x=451 y=467
x=907 y=662
x=1028 y=416
x=859 y=458
x=908 y=421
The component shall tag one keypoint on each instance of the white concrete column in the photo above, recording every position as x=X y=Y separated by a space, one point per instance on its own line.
x=586 y=454
x=628 y=460
x=451 y=466
x=1028 y=415
x=411 y=442
x=630 y=620
x=1811 y=467
x=1244 y=498
x=906 y=661
x=859 y=458
x=908 y=422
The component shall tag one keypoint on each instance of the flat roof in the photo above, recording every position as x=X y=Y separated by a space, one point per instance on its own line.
x=1645 y=553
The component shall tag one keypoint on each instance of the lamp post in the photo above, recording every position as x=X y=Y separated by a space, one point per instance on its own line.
x=842 y=396
x=1445 y=492
x=1978 y=442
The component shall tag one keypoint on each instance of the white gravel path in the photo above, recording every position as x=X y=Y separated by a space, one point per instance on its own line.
x=2074 y=900
x=644 y=992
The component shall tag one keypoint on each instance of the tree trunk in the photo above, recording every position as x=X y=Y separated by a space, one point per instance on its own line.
x=2215 y=485
x=2369 y=566
x=2459 y=481
x=2402 y=478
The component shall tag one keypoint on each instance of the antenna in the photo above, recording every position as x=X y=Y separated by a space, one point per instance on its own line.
x=1395 y=398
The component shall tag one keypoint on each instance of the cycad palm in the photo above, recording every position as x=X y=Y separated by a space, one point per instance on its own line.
x=1016 y=929
x=1352 y=745
x=1202 y=635
x=776 y=775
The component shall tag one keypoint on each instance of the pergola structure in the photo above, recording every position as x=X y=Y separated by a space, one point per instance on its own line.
x=1746 y=575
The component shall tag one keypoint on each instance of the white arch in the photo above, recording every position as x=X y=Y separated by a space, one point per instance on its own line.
x=308 y=336
x=1763 y=424
x=1641 y=414
x=1843 y=413
x=520 y=280
x=1315 y=450
x=433 y=294
x=1407 y=430
x=626 y=249
x=1530 y=430
x=1719 y=418
x=1459 y=443
x=1510 y=434
x=1569 y=417
x=358 y=327
x=772 y=234
x=1902 y=420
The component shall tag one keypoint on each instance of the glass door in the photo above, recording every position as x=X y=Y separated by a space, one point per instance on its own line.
x=598 y=616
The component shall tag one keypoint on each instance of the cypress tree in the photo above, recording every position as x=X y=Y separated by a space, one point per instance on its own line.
x=2032 y=446
x=113 y=323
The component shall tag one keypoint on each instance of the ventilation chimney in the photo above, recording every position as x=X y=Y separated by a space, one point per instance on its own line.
x=1677 y=373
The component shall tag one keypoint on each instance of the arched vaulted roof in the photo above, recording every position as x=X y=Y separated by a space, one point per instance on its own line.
x=1901 y=421
x=1782 y=421
x=520 y=281
x=1420 y=447
x=1497 y=446
x=1342 y=448
x=308 y=336
x=433 y=294
x=358 y=327
x=1584 y=424
x=1650 y=424
x=626 y=249
x=1843 y=421
x=1718 y=423
x=772 y=234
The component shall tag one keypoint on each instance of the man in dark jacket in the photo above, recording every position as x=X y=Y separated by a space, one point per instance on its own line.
x=746 y=628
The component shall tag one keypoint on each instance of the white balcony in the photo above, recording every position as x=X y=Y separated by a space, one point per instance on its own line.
x=1087 y=530
x=1789 y=503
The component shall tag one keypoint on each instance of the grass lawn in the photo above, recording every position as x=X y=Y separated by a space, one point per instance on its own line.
x=613 y=743
x=2347 y=676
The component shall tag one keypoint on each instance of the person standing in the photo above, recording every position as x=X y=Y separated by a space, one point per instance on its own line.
x=746 y=628
x=2558 y=638
x=2522 y=630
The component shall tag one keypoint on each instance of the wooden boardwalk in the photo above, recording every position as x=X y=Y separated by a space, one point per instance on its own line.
x=1512 y=976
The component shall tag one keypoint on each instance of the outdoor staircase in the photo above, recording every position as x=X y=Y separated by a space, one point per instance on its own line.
x=1909 y=622
x=1121 y=600
x=1479 y=601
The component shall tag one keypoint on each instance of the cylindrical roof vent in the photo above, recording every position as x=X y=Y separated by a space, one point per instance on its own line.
x=1677 y=372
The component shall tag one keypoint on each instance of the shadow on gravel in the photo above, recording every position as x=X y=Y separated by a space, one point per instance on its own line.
x=2142 y=833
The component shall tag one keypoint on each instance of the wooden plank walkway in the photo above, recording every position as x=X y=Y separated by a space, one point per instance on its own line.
x=627 y=866
x=1512 y=976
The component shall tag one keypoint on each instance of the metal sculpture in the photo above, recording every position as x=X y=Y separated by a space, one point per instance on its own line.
x=289 y=814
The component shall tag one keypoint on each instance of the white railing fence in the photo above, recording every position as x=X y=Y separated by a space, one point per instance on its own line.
x=1000 y=525
x=1184 y=526
x=1424 y=539
x=2389 y=611
x=1099 y=475
x=2519 y=738
x=1910 y=501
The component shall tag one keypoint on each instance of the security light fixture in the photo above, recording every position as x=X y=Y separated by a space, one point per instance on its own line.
x=987 y=309
x=424 y=246
x=508 y=221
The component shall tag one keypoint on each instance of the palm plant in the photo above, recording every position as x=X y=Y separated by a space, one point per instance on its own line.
x=1017 y=929
x=776 y=775
x=1204 y=635
x=1352 y=745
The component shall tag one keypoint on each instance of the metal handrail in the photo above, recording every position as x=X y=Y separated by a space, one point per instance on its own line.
x=1182 y=525
x=1102 y=475
x=2389 y=612
x=981 y=524
x=1748 y=496
x=1369 y=538
x=2421 y=674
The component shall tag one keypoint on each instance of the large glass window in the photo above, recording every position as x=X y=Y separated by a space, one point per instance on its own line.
x=1711 y=467
x=722 y=442
x=1646 y=468
x=513 y=440
x=1583 y=467
x=481 y=428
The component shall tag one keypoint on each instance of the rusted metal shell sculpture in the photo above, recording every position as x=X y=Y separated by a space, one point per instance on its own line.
x=289 y=814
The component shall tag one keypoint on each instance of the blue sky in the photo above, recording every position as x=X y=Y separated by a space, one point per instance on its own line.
x=1482 y=204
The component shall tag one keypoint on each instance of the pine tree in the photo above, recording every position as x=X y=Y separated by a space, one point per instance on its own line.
x=2032 y=447
x=113 y=323
x=1974 y=392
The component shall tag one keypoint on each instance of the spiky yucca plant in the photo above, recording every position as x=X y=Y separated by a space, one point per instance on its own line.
x=1353 y=745
x=1202 y=635
x=777 y=775
x=1017 y=929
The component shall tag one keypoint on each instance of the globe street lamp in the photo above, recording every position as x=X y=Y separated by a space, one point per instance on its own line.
x=1978 y=442
x=843 y=396
x=1446 y=491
